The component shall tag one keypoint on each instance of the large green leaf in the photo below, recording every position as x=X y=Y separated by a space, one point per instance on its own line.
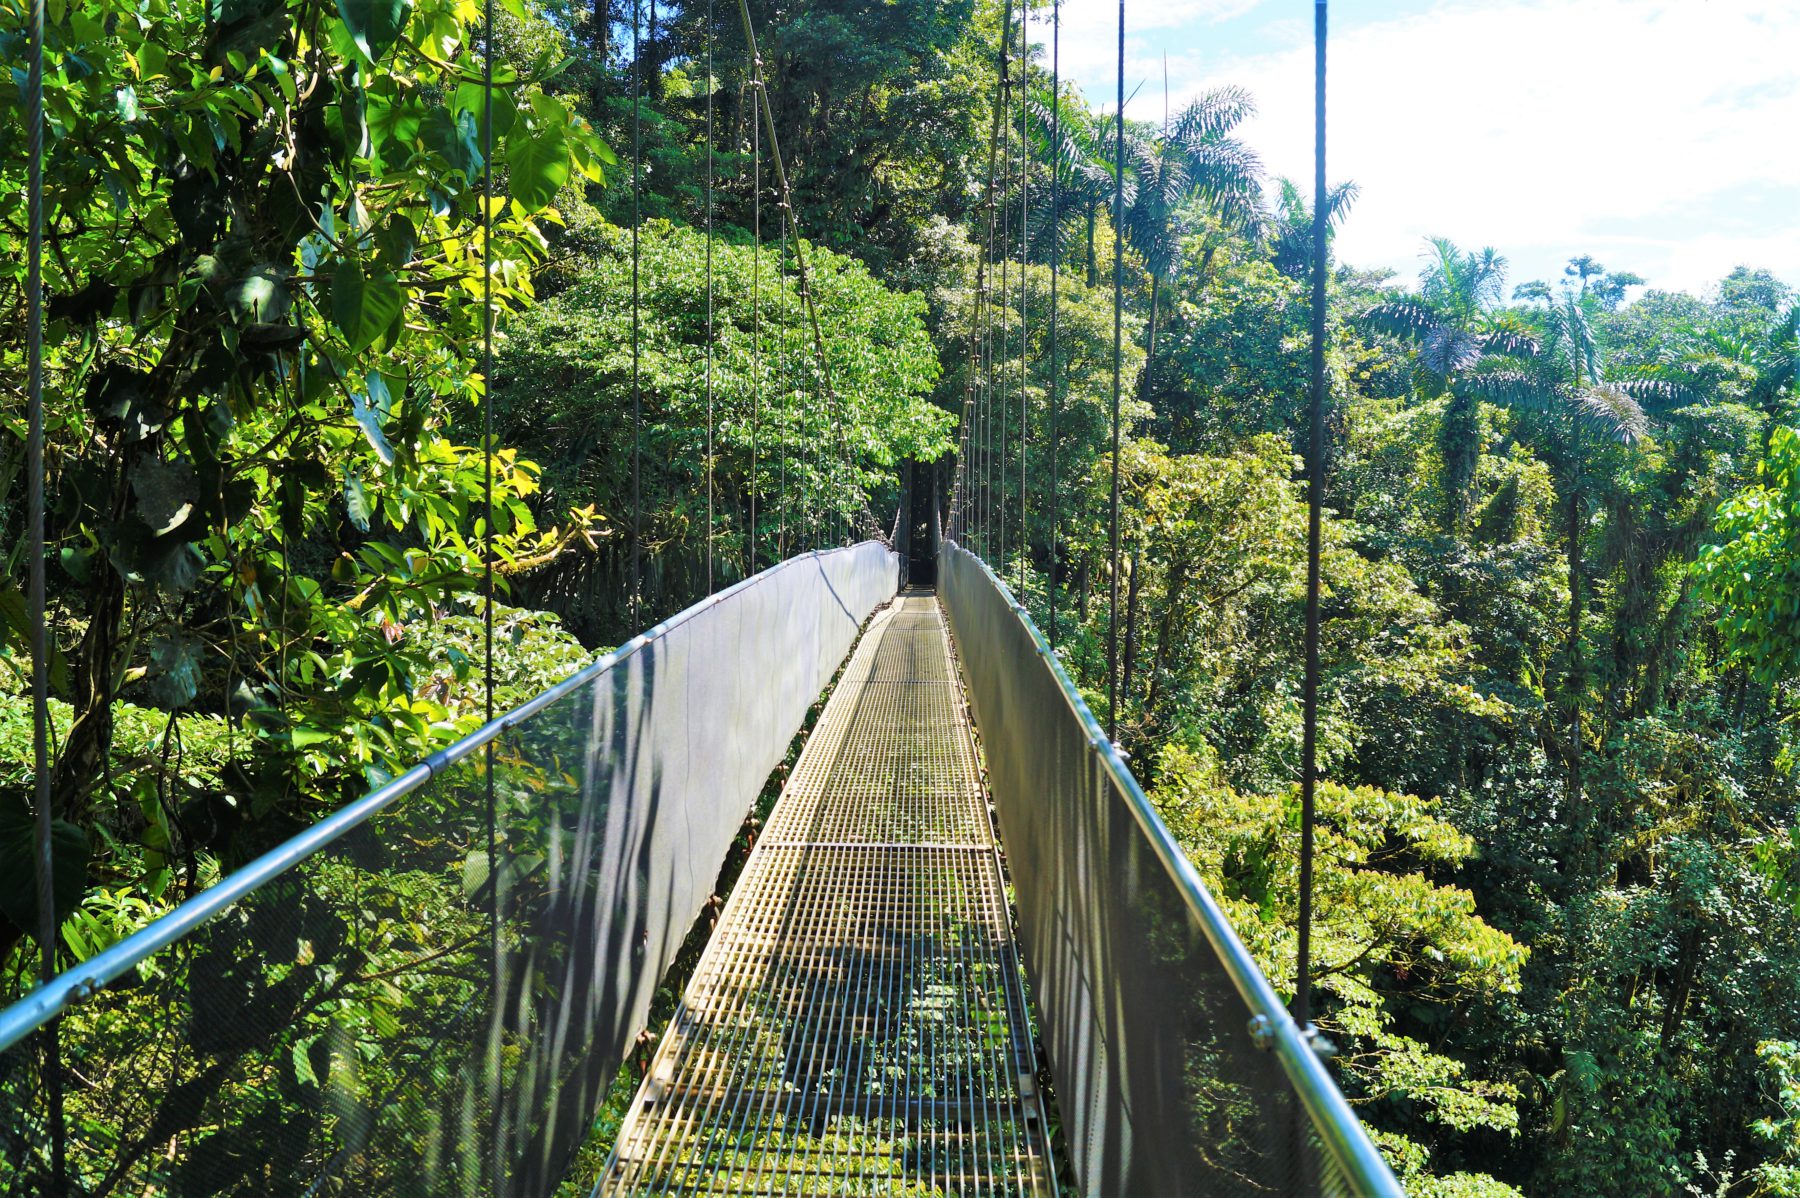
x=537 y=165
x=174 y=670
x=165 y=493
x=363 y=305
x=375 y=25
x=18 y=863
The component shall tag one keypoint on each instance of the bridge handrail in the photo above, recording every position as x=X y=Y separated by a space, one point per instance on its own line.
x=1271 y=1025
x=80 y=982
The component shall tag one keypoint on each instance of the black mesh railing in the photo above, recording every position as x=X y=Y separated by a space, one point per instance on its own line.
x=1177 y=1069
x=418 y=997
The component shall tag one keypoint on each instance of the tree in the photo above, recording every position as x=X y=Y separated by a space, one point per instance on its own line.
x=1196 y=160
x=1453 y=322
x=813 y=458
x=1289 y=228
x=265 y=278
x=1568 y=393
x=1752 y=572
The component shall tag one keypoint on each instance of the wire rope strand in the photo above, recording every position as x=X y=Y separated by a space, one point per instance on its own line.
x=781 y=483
x=1118 y=215
x=1055 y=398
x=1024 y=258
x=969 y=512
x=1315 y=499
x=709 y=296
x=496 y=948
x=637 y=399
x=34 y=453
x=1003 y=390
x=790 y=221
x=42 y=829
x=756 y=336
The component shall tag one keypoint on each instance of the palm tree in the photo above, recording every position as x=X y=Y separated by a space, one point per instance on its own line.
x=1196 y=159
x=1577 y=409
x=1761 y=369
x=1083 y=156
x=1454 y=323
x=1288 y=228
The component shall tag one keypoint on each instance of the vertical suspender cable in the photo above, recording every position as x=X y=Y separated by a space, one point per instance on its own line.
x=781 y=482
x=971 y=513
x=709 y=297
x=790 y=222
x=495 y=990
x=1024 y=257
x=40 y=649
x=1118 y=215
x=756 y=337
x=1055 y=499
x=1004 y=388
x=637 y=399
x=1315 y=499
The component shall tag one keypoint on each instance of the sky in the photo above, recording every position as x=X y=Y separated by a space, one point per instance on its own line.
x=1658 y=136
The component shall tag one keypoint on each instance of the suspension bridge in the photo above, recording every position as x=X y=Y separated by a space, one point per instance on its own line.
x=963 y=955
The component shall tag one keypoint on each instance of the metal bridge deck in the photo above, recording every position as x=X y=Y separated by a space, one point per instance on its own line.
x=857 y=1023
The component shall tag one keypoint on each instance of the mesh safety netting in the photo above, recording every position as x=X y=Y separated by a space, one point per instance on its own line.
x=405 y=1012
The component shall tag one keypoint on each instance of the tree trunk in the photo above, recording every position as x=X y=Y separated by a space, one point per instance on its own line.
x=1132 y=588
x=1681 y=986
x=1165 y=632
x=1150 y=337
x=1574 y=680
x=1093 y=267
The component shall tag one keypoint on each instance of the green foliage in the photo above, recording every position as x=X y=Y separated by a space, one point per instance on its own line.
x=1397 y=952
x=265 y=296
x=1753 y=573
x=813 y=451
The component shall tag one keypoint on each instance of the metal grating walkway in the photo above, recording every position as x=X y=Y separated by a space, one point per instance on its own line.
x=856 y=1025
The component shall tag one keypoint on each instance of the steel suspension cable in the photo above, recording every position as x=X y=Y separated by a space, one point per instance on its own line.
x=709 y=296
x=1315 y=499
x=1055 y=398
x=968 y=509
x=790 y=220
x=1024 y=258
x=1118 y=215
x=42 y=827
x=496 y=945
x=998 y=400
x=756 y=340
x=637 y=402
x=783 y=498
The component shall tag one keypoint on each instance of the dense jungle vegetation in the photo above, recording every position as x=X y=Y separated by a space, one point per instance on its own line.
x=1559 y=947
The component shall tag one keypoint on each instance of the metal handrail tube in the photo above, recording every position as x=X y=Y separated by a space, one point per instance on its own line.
x=1336 y=1124
x=82 y=981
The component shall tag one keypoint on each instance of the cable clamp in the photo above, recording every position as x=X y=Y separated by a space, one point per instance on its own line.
x=1262 y=1032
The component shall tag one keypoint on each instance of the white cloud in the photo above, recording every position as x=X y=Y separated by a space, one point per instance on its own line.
x=1637 y=130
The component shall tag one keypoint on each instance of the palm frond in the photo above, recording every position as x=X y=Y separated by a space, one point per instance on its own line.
x=1509 y=341
x=1609 y=411
x=1405 y=318
x=1655 y=394
x=1213 y=114
x=1448 y=350
x=1509 y=389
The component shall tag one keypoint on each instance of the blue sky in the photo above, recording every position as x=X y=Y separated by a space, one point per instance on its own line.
x=1660 y=136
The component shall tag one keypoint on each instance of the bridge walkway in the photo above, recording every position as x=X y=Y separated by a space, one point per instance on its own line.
x=857 y=1023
